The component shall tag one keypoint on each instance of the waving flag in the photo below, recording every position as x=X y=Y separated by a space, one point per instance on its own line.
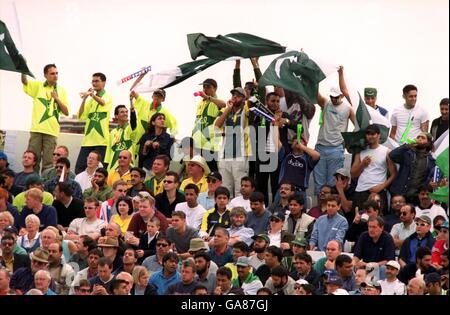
x=171 y=77
x=441 y=154
x=232 y=45
x=10 y=58
x=296 y=72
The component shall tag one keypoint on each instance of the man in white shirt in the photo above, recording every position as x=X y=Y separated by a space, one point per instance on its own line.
x=85 y=178
x=409 y=119
x=405 y=228
x=194 y=211
x=89 y=225
x=426 y=207
x=391 y=285
x=247 y=187
x=206 y=199
x=371 y=168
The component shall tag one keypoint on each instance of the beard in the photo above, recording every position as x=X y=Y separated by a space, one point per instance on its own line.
x=201 y=271
x=259 y=250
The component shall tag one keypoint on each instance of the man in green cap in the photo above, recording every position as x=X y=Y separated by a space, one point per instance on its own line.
x=370 y=98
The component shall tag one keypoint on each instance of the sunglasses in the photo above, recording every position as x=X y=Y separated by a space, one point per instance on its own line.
x=7 y=244
x=275 y=220
x=123 y=157
x=445 y=231
x=84 y=290
x=208 y=180
x=168 y=181
x=121 y=190
x=57 y=167
x=403 y=214
x=162 y=245
x=90 y=208
x=56 y=154
x=421 y=224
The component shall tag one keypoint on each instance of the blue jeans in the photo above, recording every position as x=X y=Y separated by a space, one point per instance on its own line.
x=331 y=159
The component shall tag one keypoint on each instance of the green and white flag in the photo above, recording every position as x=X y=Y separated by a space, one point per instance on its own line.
x=231 y=45
x=296 y=72
x=10 y=58
x=365 y=115
x=441 y=155
x=171 y=77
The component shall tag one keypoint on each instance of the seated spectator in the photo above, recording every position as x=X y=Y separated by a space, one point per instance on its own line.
x=221 y=253
x=68 y=208
x=101 y=283
x=180 y=234
x=393 y=216
x=108 y=207
x=204 y=276
x=272 y=259
x=83 y=288
x=371 y=288
x=61 y=273
x=206 y=199
x=47 y=214
x=286 y=191
x=99 y=189
x=30 y=241
x=416 y=286
x=219 y=216
x=29 y=163
x=86 y=177
x=258 y=218
x=6 y=220
x=61 y=151
x=6 y=206
x=90 y=271
x=371 y=209
x=137 y=180
x=422 y=237
x=240 y=249
x=333 y=284
x=154 y=263
x=391 y=285
x=346 y=191
x=89 y=225
x=321 y=208
x=159 y=169
x=110 y=248
x=277 y=236
x=333 y=226
x=7 y=182
x=297 y=246
x=42 y=280
x=374 y=246
x=298 y=222
x=224 y=284
x=260 y=244
x=166 y=201
x=238 y=232
x=84 y=246
x=421 y=266
x=280 y=283
x=62 y=170
x=433 y=284
x=141 y=285
x=405 y=228
x=187 y=282
x=193 y=210
x=147 y=243
x=8 y=259
x=441 y=244
x=344 y=267
x=129 y=262
x=426 y=207
x=197 y=171
x=124 y=207
x=304 y=270
x=120 y=170
x=247 y=188
x=168 y=275
x=33 y=181
x=247 y=281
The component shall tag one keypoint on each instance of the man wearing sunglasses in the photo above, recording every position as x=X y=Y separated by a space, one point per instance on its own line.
x=206 y=199
x=154 y=263
x=422 y=237
x=166 y=201
x=405 y=228
x=59 y=152
x=62 y=168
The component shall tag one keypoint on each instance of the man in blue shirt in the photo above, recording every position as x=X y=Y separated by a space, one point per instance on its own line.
x=331 y=226
x=168 y=275
x=46 y=214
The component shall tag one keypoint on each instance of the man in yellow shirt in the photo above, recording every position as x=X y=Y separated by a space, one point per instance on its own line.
x=197 y=170
x=208 y=109
x=49 y=100
x=123 y=169
x=95 y=110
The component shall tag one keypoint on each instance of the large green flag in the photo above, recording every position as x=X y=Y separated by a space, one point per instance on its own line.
x=441 y=154
x=296 y=72
x=10 y=58
x=171 y=77
x=231 y=45
x=355 y=141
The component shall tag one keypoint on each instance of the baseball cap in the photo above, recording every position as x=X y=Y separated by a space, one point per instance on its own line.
x=370 y=92
x=300 y=242
x=424 y=218
x=215 y=175
x=11 y=229
x=263 y=236
x=335 y=92
x=334 y=278
x=238 y=90
x=301 y=281
x=243 y=261
x=278 y=215
x=371 y=283
x=160 y=92
x=443 y=225
x=3 y=156
x=343 y=172
x=393 y=264
x=427 y=135
x=33 y=180
x=209 y=82
x=373 y=128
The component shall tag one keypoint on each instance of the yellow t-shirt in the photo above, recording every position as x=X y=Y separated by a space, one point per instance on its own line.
x=96 y=130
x=201 y=184
x=122 y=223
x=120 y=138
x=204 y=131
x=114 y=176
x=145 y=112
x=45 y=116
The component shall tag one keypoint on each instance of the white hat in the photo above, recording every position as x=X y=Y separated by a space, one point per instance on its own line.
x=335 y=92
x=340 y=292
x=200 y=160
x=301 y=281
x=393 y=264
